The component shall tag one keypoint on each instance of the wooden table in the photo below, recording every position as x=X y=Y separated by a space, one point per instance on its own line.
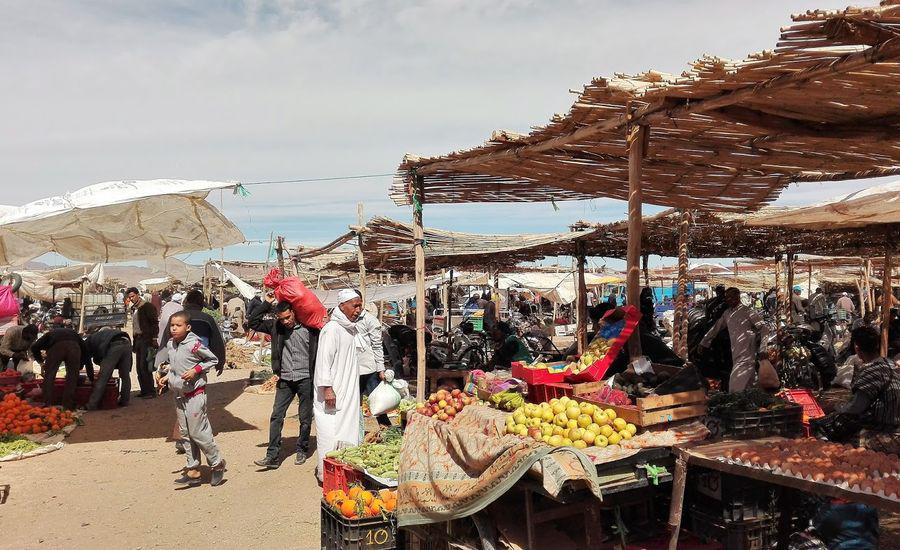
x=704 y=454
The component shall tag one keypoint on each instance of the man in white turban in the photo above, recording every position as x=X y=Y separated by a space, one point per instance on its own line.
x=336 y=379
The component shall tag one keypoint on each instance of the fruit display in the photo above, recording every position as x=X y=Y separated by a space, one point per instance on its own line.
x=18 y=417
x=565 y=422
x=507 y=400
x=609 y=396
x=10 y=444
x=357 y=502
x=846 y=466
x=445 y=405
x=379 y=459
x=596 y=351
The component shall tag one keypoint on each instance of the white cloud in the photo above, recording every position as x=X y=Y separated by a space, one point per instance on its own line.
x=279 y=89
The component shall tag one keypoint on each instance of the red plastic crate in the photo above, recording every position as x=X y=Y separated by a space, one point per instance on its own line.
x=805 y=397
x=536 y=376
x=110 y=399
x=596 y=371
x=337 y=475
x=539 y=393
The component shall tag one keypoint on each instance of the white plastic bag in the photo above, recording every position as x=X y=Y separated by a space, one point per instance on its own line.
x=384 y=398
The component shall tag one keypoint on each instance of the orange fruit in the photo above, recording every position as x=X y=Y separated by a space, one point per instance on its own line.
x=390 y=505
x=348 y=509
x=366 y=497
x=354 y=492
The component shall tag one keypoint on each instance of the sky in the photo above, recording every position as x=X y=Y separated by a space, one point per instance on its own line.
x=263 y=90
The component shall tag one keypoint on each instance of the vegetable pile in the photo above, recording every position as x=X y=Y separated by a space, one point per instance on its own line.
x=380 y=459
x=18 y=417
x=360 y=503
x=850 y=467
x=744 y=401
x=10 y=444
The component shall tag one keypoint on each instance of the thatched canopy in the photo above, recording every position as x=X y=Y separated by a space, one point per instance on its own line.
x=724 y=135
x=388 y=246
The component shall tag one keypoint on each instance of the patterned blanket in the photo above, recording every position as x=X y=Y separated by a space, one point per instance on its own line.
x=451 y=470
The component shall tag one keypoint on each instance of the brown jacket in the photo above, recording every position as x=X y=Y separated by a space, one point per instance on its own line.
x=148 y=322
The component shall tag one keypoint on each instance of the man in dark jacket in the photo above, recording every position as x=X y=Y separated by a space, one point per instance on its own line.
x=293 y=361
x=111 y=349
x=204 y=326
x=63 y=345
x=144 y=328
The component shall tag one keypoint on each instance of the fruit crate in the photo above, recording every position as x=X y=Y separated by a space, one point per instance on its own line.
x=754 y=534
x=599 y=367
x=340 y=533
x=654 y=409
x=540 y=393
x=806 y=399
x=786 y=422
x=337 y=475
x=537 y=376
x=110 y=399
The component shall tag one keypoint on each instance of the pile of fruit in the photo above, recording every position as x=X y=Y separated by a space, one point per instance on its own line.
x=377 y=459
x=507 y=400
x=360 y=503
x=567 y=423
x=445 y=405
x=18 y=417
x=595 y=352
x=852 y=467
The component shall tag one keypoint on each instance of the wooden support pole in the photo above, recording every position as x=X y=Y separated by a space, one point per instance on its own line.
x=360 y=259
x=418 y=246
x=861 y=286
x=862 y=301
x=635 y=137
x=279 y=251
x=676 y=504
x=83 y=302
x=870 y=291
x=790 y=288
x=779 y=288
x=580 y=300
x=886 y=295
x=645 y=258
x=448 y=314
x=809 y=280
x=735 y=272
x=381 y=302
x=681 y=300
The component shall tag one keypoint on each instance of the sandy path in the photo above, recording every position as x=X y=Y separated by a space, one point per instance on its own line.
x=111 y=486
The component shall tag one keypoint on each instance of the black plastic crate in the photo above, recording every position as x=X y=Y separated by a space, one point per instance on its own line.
x=754 y=534
x=732 y=498
x=340 y=533
x=786 y=422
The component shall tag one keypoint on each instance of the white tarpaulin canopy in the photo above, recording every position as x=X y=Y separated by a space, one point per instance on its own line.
x=177 y=269
x=555 y=287
x=876 y=205
x=155 y=284
x=244 y=288
x=118 y=221
x=39 y=284
x=378 y=293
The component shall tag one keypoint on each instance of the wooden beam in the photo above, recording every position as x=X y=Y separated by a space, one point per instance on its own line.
x=661 y=110
x=681 y=303
x=877 y=129
x=580 y=300
x=343 y=239
x=419 y=241
x=359 y=254
x=886 y=302
x=636 y=140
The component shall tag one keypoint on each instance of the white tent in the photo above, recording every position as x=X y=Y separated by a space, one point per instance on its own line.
x=876 y=205
x=118 y=221
x=244 y=288
x=177 y=269
x=155 y=284
x=378 y=293
x=39 y=284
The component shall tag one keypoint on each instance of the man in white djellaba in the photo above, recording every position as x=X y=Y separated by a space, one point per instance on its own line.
x=337 y=401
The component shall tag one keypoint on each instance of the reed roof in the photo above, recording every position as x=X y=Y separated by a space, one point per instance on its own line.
x=823 y=105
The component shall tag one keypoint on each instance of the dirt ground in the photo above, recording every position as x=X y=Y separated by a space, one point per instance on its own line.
x=111 y=486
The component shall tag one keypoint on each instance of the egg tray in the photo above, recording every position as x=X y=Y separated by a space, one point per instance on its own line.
x=874 y=475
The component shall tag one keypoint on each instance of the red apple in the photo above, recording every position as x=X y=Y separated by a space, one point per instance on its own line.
x=443 y=416
x=455 y=393
x=450 y=410
x=433 y=398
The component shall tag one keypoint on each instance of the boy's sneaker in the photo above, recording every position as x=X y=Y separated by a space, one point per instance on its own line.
x=217 y=474
x=267 y=463
x=300 y=458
